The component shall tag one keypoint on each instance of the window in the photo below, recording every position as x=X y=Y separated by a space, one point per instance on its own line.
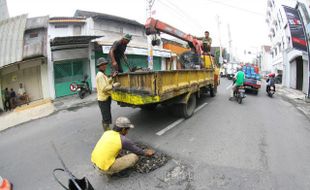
x=33 y=35
x=61 y=26
x=276 y=51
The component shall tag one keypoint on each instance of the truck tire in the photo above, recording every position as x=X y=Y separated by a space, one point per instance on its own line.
x=256 y=92
x=187 y=110
x=213 y=91
x=239 y=100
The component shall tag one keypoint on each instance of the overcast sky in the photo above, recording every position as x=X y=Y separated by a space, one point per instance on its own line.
x=246 y=18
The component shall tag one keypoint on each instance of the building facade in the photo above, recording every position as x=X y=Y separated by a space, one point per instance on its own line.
x=4 y=12
x=265 y=59
x=23 y=55
x=288 y=49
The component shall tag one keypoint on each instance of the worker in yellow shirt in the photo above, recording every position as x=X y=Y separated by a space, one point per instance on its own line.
x=104 y=155
x=104 y=87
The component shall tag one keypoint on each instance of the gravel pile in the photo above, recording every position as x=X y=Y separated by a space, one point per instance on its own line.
x=148 y=164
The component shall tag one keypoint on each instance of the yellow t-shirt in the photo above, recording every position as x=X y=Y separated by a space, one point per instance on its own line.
x=104 y=86
x=106 y=150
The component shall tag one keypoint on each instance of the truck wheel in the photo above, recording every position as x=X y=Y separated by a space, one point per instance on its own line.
x=148 y=107
x=256 y=92
x=81 y=94
x=213 y=91
x=239 y=100
x=187 y=110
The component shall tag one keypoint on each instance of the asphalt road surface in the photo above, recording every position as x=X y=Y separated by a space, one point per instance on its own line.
x=264 y=143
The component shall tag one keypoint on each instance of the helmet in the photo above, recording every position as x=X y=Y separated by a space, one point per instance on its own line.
x=101 y=61
x=123 y=122
x=127 y=37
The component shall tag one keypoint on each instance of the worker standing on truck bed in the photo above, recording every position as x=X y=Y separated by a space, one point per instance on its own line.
x=117 y=52
x=104 y=87
x=104 y=155
x=206 y=42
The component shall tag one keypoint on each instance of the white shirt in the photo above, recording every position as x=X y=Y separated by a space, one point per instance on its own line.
x=21 y=91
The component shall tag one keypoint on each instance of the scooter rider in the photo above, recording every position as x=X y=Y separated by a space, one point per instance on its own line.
x=238 y=81
x=270 y=82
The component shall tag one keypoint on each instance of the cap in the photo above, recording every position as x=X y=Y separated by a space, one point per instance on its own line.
x=127 y=37
x=101 y=61
x=123 y=122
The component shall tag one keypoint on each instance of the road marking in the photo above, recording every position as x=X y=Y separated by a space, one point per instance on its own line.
x=177 y=122
x=229 y=86
x=200 y=107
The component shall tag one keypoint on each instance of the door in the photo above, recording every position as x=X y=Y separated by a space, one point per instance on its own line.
x=299 y=73
x=32 y=82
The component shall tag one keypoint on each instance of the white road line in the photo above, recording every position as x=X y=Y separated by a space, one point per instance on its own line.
x=200 y=107
x=229 y=86
x=177 y=122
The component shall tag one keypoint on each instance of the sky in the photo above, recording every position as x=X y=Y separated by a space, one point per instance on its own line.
x=245 y=18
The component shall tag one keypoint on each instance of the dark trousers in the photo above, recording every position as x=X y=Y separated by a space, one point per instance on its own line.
x=119 y=64
x=7 y=105
x=105 y=108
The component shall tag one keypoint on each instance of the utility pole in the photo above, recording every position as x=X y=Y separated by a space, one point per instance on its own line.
x=219 y=29
x=229 y=43
x=150 y=4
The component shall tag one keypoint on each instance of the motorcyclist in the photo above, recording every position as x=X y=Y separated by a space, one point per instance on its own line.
x=270 y=82
x=238 y=81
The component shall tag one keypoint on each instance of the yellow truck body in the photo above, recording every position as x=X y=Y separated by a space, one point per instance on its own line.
x=146 y=88
x=141 y=88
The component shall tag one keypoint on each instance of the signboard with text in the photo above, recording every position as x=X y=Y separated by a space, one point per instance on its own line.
x=297 y=32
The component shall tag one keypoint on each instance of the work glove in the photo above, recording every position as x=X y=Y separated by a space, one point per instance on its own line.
x=116 y=84
x=149 y=152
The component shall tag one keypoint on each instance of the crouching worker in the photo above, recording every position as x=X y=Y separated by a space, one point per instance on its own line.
x=104 y=155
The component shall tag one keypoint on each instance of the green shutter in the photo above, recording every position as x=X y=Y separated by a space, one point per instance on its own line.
x=69 y=71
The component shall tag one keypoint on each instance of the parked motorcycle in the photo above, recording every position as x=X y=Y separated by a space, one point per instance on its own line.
x=82 y=88
x=239 y=94
x=270 y=91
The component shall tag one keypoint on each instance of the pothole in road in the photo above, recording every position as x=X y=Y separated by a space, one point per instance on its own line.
x=146 y=164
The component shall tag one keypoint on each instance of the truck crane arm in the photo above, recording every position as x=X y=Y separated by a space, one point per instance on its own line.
x=154 y=27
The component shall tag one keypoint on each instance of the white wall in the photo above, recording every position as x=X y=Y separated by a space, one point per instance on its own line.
x=293 y=75
x=92 y=64
x=305 y=77
x=44 y=81
x=50 y=73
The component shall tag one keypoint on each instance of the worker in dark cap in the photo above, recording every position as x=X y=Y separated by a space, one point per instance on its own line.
x=104 y=86
x=105 y=154
x=117 y=52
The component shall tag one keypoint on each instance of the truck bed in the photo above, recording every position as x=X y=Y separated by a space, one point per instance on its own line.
x=149 y=87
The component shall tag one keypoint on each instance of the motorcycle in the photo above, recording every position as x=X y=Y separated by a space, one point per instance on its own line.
x=82 y=88
x=270 y=91
x=239 y=94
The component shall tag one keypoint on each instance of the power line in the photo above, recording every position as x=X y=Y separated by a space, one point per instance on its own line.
x=178 y=13
x=187 y=15
x=239 y=8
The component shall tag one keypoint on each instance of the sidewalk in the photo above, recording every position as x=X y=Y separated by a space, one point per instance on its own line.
x=42 y=108
x=296 y=97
